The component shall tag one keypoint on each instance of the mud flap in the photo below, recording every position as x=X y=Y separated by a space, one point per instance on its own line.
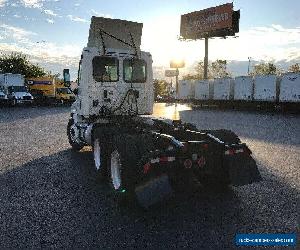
x=153 y=191
x=242 y=170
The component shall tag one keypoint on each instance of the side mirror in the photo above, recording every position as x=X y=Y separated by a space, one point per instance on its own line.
x=67 y=81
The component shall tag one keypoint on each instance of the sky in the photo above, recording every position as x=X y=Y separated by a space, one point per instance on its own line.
x=54 y=32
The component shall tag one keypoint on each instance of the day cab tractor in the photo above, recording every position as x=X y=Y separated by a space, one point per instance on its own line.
x=137 y=153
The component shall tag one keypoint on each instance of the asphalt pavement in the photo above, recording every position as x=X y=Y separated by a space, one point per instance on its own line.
x=49 y=197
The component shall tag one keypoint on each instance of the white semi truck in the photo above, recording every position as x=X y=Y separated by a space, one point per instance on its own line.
x=14 y=89
x=140 y=155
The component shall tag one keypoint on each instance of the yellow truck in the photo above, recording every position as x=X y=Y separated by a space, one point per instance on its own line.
x=48 y=90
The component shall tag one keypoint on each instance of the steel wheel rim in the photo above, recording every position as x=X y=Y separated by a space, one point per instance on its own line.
x=72 y=133
x=97 y=154
x=115 y=169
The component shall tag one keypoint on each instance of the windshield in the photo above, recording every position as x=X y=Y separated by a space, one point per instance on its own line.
x=105 y=69
x=17 y=89
x=134 y=70
x=63 y=91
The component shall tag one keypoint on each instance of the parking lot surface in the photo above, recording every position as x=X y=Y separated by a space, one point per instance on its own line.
x=49 y=196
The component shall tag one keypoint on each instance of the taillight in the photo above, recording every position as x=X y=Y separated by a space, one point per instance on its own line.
x=201 y=161
x=230 y=151
x=146 y=168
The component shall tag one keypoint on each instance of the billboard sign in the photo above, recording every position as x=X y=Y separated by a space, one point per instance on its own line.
x=215 y=21
x=171 y=72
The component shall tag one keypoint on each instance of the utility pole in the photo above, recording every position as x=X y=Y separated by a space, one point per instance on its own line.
x=177 y=74
x=249 y=58
x=206 y=58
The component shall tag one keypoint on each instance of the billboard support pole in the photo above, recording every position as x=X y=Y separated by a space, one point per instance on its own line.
x=177 y=73
x=206 y=58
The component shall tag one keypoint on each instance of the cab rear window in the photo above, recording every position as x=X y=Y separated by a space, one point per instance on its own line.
x=134 y=70
x=105 y=69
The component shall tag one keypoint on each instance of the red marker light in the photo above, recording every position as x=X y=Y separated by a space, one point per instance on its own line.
x=163 y=159
x=230 y=152
x=146 y=167
x=188 y=163
x=201 y=161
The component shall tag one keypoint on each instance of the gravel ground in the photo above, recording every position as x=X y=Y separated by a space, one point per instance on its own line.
x=50 y=199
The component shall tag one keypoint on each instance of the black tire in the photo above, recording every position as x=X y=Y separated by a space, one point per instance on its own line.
x=101 y=157
x=75 y=146
x=13 y=102
x=123 y=171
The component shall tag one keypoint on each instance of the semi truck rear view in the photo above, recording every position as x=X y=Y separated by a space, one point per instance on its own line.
x=140 y=155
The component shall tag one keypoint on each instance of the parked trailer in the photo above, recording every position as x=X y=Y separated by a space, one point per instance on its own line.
x=290 y=88
x=243 y=88
x=203 y=90
x=186 y=90
x=289 y=95
x=223 y=89
x=142 y=156
x=223 y=92
x=258 y=92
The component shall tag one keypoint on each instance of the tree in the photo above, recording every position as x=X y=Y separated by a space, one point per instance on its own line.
x=160 y=87
x=265 y=69
x=18 y=63
x=216 y=69
x=295 y=68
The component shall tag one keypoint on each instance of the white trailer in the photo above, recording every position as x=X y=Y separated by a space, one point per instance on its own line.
x=223 y=89
x=290 y=88
x=243 y=88
x=185 y=89
x=265 y=88
x=202 y=90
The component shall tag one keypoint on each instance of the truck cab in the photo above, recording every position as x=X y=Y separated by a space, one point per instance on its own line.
x=105 y=79
x=64 y=95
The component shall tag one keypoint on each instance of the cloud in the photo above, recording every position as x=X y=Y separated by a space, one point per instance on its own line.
x=77 y=19
x=15 y=33
x=50 y=55
x=17 y=16
x=50 y=21
x=50 y=12
x=2 y=3
x=77 y=4
x=96 y=13
x=32 y=3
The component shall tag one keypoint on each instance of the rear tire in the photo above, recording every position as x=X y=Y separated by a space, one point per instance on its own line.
x=123 y=172
x=13 y=102
x=100 y=159
x=71 y=136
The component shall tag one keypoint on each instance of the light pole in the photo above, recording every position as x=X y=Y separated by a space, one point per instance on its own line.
x=249 y=58
x=177 y=64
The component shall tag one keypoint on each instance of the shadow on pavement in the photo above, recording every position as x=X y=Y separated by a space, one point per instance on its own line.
x=55 y=201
